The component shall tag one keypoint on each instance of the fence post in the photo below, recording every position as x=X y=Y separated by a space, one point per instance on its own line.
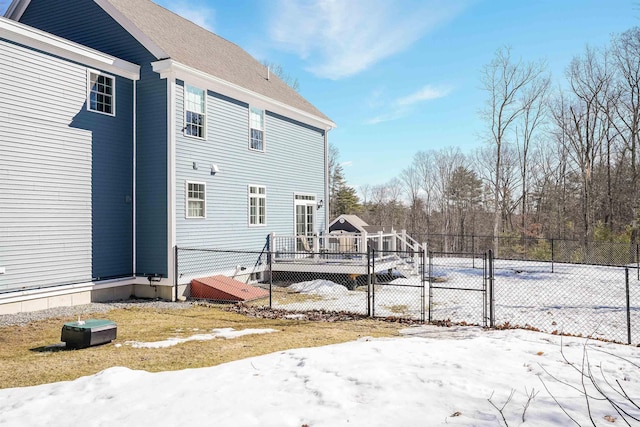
x=369 y=282
x=552 y=255
x=638 y=259
x=626 y=279
x=175 y=273
x=373 y=282
x=270 y=264
x=484 y=288
x=423 y=260
x=473 y=251
x=430 y=278
x=491 y=291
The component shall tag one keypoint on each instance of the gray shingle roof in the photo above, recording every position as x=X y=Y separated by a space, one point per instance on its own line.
x=192 y=45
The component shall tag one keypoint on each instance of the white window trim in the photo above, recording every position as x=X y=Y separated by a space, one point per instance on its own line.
x=257 y=196
x=264 y=130
x=186 y=200
x=184 y=113
x=113 y=92
x=311 y=200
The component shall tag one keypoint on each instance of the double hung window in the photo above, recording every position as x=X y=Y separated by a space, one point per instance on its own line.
x=196 y=200
x=256 y=131
x=194 y=112
x=257 y=205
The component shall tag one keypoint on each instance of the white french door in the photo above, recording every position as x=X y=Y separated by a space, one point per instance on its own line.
x=305 y=219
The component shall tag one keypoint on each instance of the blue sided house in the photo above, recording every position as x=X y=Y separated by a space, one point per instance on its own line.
x=127 y=131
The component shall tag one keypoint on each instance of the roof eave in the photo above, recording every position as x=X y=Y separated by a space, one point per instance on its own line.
x=168 y=68
x=16 y=9
x=37 y=39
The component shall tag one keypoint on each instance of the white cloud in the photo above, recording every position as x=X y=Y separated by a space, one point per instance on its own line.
x=198 y=14
x=427 y=93
x=402 y=106
x=342 y=38
x=347 y=163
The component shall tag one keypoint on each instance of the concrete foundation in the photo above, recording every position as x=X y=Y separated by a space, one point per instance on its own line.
x=42 y=299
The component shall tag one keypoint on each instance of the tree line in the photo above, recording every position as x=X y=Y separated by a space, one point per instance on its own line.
x=557 y=161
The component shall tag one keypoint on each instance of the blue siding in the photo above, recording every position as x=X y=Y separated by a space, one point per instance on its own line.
x=293 y=162
x=86 y=23
x=151 y=179
x=111 y=184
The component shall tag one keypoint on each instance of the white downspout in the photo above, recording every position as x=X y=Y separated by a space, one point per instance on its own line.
x=171 y=180
x=326 y=181
x=135 y=166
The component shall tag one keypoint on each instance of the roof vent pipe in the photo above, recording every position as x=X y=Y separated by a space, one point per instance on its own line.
x=268 y=72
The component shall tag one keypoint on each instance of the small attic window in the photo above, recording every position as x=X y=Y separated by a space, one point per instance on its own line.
x=101 y=90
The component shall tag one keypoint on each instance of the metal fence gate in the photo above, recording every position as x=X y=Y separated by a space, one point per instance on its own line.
x=397 y=292
x=460 y=288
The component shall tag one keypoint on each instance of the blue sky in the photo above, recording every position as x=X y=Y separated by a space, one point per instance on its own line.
x=403 y=76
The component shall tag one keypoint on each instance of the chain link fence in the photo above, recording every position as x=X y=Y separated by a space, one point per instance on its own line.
x=378 y=284
x=602 y=302
x=585 y=300
x=538 y=249
x=467 y=288
x=458 y=288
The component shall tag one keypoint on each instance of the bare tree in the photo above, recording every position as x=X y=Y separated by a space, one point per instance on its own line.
x=424 y=162
x=533 y=117
x=625 y=50
x=411 y=181
x=464 y=193
x=505 y=81
x=446 y=161
x=583 y=124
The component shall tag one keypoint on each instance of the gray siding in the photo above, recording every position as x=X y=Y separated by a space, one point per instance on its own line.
x=86 y=23
x=53 y=155
x=293 y=161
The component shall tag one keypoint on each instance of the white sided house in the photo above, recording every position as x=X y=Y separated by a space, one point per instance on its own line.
x=127 y=131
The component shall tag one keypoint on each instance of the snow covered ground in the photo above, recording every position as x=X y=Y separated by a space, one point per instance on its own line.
x=432 y=376
x=575 y=299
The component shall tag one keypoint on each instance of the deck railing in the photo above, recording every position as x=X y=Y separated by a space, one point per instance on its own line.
x=287 y=247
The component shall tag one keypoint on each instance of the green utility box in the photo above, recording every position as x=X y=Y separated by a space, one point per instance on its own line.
x=88 y=333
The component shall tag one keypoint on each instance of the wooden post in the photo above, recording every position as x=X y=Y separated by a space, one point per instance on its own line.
x=316 y=245
x=363 y=243
x=394 y=243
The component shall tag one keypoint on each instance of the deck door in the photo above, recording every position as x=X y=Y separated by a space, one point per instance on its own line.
x=305 y=217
